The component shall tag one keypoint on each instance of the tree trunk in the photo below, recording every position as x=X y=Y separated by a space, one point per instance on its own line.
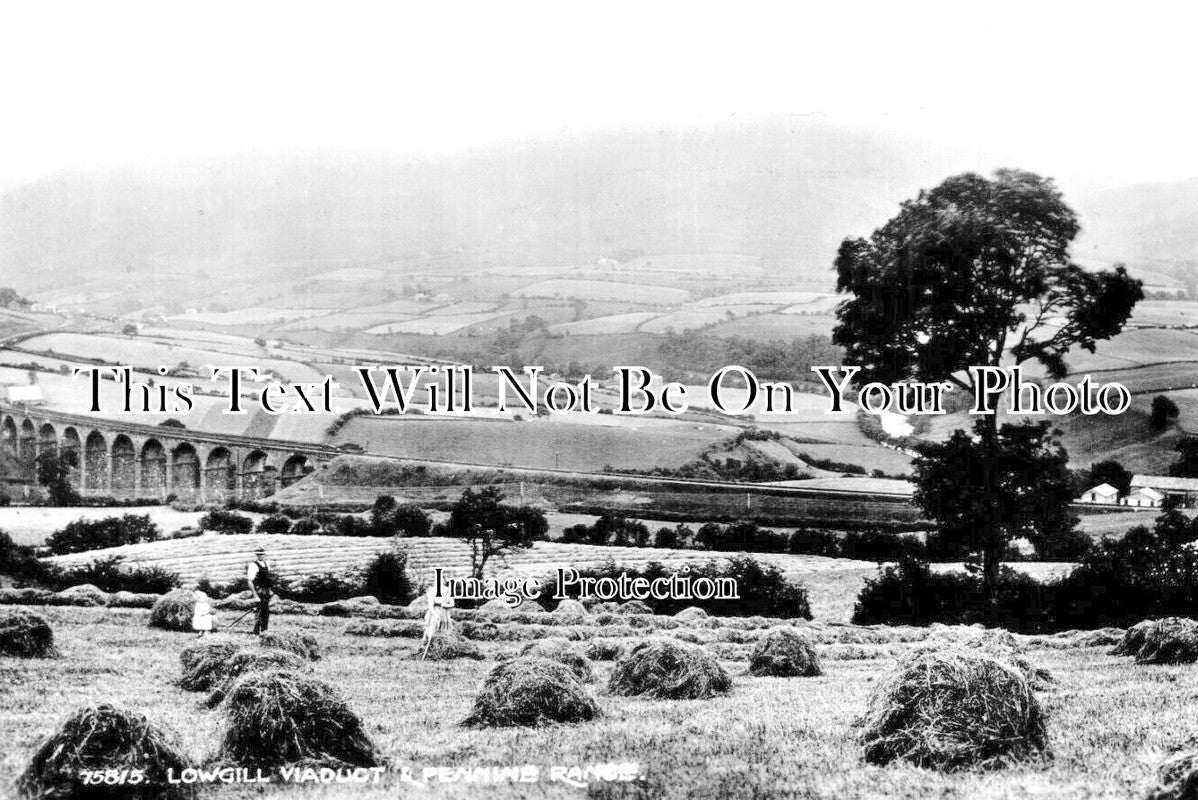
x=993 y=549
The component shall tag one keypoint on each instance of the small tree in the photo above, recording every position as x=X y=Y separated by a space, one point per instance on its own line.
x=129 y=329
x=1110 y=472
x=1164 y=411
x=492 y=528
x=54 y=473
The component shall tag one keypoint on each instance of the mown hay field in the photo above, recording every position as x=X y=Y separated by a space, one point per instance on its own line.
x=1109 y=721
x=833 y=582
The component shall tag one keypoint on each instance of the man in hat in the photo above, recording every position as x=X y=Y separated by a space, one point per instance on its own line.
x=258 y=573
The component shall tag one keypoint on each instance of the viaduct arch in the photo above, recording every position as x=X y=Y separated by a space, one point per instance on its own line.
x=126 y=460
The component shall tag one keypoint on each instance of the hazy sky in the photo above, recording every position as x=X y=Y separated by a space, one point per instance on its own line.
x=1085 y=92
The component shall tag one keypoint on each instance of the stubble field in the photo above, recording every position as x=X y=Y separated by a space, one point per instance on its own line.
x=1110 y=721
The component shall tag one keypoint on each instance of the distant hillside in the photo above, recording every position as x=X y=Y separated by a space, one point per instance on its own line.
x=1152 y=226
x=787 y=190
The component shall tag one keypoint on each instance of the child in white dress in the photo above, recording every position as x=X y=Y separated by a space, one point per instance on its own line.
x=202 y=617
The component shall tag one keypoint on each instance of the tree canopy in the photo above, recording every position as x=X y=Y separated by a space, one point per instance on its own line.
x=975 y=272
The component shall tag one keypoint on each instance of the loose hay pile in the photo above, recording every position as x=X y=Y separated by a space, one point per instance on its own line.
x=173 y=611
x=84 y=594
x=246 y=661
x=532 y=691
x=204 y=663
x=634 y=607
x=603 y=650
x=447 y=648
x=1172 y=640
x=1177 y=778
x=100 y=738
x=570 y=607
x=668 y=669
x=953 y=709
x=690 y=614
x=784 y=653
x=278 y=717
x=996 y=643
x=25 y=634
x=301 y=644
x=1133 y=639
x=563 y=651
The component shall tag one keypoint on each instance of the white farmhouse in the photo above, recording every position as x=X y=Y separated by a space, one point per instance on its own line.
x=1103 y=493
x=1144 y=497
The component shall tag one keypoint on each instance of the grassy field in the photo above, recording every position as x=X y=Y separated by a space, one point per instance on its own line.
x=1110 y=722
x=532 y=443
x=34 y=524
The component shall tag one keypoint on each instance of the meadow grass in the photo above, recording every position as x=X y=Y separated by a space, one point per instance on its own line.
x=1110 y=721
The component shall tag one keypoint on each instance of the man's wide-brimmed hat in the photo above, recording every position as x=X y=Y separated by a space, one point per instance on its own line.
x=260 y=551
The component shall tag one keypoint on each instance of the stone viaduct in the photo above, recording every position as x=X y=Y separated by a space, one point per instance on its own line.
x=123 y=459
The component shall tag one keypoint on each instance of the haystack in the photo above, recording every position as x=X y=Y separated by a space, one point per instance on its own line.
x=85 y=594
x=99 y=738
x=25 y=634
x=570 y=608
x=1133 y=638
x=532 y=691
x=603 y=650
x=244 y=662
x=634 y=607
x=361 y=606
x=498 y=606
x=173 y=610
x=1173 y=640
x=1177 y=778
x=448 y=648
x=279 y=717
x=301 y=644
x=204 y=663
x=123 y=599
x=563 y=651
x=996 y=643
x=784 y=653
x=953 y=709
x=668 y=669
x=690 y=614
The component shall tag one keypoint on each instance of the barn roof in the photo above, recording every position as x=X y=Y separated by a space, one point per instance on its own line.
x=1165 y=483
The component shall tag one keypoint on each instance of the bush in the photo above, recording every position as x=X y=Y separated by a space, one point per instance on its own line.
x=110 y=575
x=814 y=543
x=85 y=534
x=226 y=522
x=880 y=546
x=322 y=587
x=275 y=523
x=386 y=577
x=305 y=526
x=19 y=562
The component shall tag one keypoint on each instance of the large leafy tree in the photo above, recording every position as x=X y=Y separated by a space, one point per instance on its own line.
x=975 y=272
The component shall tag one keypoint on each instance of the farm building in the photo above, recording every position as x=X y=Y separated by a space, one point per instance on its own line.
x=1183 y=490
x=1145 y=497
x=1103 y=493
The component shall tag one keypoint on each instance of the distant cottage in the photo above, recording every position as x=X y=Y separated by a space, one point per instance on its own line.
x=1103 y=493
x=1147 y=491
